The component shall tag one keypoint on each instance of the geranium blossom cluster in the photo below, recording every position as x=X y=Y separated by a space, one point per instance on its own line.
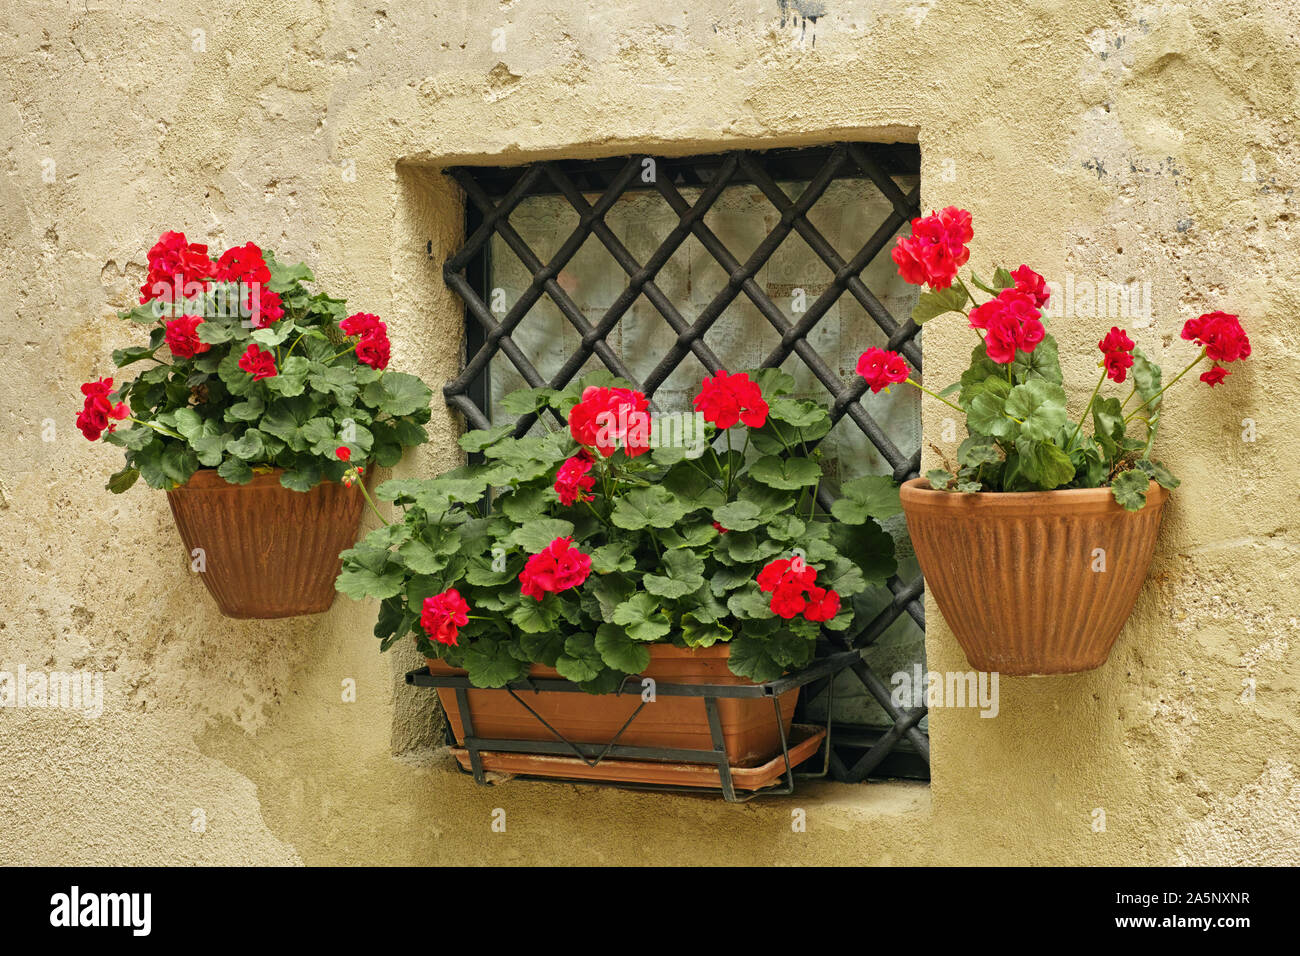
x=1222 y=337
x=557 y=567
x=372 y=347
x=793 y=585
x=443 y=615
x=1011 y=322
x=180 y=269
x=936 y=249
x=98 y=413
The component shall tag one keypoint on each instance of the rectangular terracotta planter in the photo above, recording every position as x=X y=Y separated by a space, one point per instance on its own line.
x=748 y=724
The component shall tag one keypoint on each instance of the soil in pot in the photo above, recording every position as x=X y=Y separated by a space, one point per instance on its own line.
x=267 y=551
x=1033 y=582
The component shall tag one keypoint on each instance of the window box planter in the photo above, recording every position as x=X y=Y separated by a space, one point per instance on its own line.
x=267 y=551
x=705 y=728
x=1033 y=582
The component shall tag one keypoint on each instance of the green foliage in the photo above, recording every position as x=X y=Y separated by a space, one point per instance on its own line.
x=660 y=570
x=207 y=412
x=1020 y=433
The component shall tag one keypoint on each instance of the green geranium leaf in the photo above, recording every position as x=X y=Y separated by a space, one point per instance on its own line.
x=581 y=661
x=401 y=394
x=785 y=473
x=489 y=663
x=987 y=414
x=794 y=412
x=1043 y=363
x=979 y=450
x=120 y=481
x=738 y=515
x=359 y=582
x=940 y=480
x=872 y=496
x=750 y=657
x=481 y=438
x=534 y=536
x=931 y=304
x=534 y=616
x=1044 y=463
x=1039 y=405
x=1146 y=379
x=615 y=556
x=248 y=446
x=134 y=353
x=291 y=378
x=235 y=471
x=304 y=477
x=641 y=616
x=684 y=574
x=703 y=633
x=1162 y=475
x=1130 y=489
x=653 y=507
x=619 y=651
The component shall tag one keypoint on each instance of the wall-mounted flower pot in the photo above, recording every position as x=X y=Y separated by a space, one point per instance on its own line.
x=749 y=726
x=267 y=551
x=1033 y=582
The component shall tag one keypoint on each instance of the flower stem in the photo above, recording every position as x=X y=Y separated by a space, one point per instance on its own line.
x=369 y=500
x=158 y=428
x=935 y=395
x=1194 y=363
x=1087 y=408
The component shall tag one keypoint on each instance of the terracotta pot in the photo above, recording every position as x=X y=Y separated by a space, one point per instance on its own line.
x=748 y=724
x=268 y=551
x=1013 y=573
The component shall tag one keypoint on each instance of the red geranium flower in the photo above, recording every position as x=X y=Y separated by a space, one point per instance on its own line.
x=823 y=604
x=719 y=528
x=788 y=601
x=343 y=453
x=174 y=263
x=243 y=264
x=726 y=399
x=792 y=584
x=1117 y=349
x=1221 y=334
x=935 y=250
x=443 y=615
x=98 y=412
x=1215 y=375
x=361 y=323
x=1032 y=284
x=374 y=348
x=261 y=306
x=609 y=418
x=182 y=336
x=558 y=567
x=882 y=369
x=1011 y=322
x=572 y=481
x=257 y=363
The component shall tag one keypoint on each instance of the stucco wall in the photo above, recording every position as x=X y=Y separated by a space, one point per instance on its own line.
x=1106 y=140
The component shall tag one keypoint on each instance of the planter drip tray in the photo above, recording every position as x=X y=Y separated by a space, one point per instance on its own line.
x=805 y=739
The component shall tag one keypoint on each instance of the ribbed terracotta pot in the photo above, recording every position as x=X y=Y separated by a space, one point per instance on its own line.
x=1015 y=574
x=748 y=724
x=267 y=551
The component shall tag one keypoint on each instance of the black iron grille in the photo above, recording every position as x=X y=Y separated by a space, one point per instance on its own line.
x=902 y=747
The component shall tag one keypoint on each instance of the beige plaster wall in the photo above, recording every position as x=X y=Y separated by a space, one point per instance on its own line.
x=1107 y=140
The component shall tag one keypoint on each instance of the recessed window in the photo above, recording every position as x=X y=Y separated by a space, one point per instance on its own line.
x=663 y=270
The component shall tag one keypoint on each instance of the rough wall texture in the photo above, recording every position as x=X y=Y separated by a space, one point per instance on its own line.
x=1107 y=141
